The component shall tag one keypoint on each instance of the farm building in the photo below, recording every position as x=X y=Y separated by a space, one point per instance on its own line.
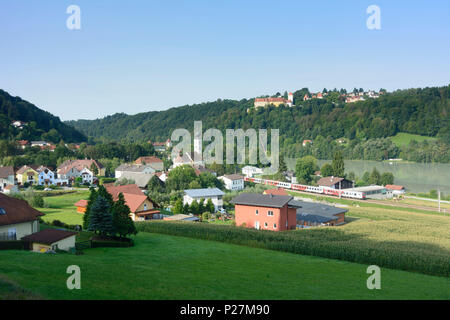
x=265 y=211
x=373 y=192
x=51 y=239
x=310 y=214
x=335 y=183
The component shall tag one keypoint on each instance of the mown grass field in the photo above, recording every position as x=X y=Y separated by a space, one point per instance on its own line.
x=169 y=267
x=403 y=139
x=62 y=208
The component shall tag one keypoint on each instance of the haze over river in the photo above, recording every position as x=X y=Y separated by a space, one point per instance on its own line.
x=416 y=177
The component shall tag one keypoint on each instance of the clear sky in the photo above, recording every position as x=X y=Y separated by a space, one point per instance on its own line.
x=136 y=56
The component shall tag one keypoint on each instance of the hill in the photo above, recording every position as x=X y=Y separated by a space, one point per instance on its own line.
x=416 y=111
x=39 y=124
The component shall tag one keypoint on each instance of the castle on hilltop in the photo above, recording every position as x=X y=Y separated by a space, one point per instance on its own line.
x=264 y=102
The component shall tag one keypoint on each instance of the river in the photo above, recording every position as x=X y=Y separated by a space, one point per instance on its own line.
x=415 y=177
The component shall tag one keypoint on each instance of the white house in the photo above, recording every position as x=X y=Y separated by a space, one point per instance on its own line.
x=214 y=194
x=39 y=143
x=7 y=177
x=51 y=239
x=87 y=176
x=233 y=182
x=47 y=177
x=250 y=171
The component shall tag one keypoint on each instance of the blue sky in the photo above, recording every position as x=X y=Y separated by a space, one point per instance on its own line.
x=137 y=56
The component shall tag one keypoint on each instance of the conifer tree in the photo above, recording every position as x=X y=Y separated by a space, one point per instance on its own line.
x=101 y=219
x=123 y=224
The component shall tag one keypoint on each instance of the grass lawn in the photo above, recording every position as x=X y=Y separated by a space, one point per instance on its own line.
x=62 y=208
x=169 y=267
x=403 y=139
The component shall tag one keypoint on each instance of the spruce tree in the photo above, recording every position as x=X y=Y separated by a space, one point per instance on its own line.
x=101 y=219
x=92 y=197
x=123 y=224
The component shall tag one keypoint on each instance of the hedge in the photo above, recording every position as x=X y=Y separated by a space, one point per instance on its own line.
x=322 y=242
x=12 y=245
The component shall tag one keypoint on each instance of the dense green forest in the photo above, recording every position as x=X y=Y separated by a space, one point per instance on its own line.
x=40 y=124
x=365 y=124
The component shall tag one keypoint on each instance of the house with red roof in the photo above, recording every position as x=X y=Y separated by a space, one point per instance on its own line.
x=396 y=189
x=154 y=162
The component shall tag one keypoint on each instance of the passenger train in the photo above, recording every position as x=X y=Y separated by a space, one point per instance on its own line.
x=344 y=193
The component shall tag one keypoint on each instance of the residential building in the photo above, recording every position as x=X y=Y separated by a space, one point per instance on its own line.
x=250 y=171
x=87 y=176
x=7 y=177
x=17 y=218
x=188 y=158
x=265 y=211
x=18 y=124
x=141 y=207
x=152 y=161
x=306 y=142
x=47 y=177
x=72 y=169
x=140 y=179
x=335 y=183
x=233 y=182
x=215 y=194
x=51 y=239
x=134 y=168
x=311 y=214
x=27 y=174
x=22 y=144
x=264 y=102
x=396 y=189
x=39 y=143
x=162 y=176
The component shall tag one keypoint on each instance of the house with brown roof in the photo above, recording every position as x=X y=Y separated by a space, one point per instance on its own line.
x=233 y=182
x=141 y=207
x=17 y=218
x=335 y=183
x=276 y=192
x=152 y=161
x=7 y=177
x=51 y=239
x=71 y=169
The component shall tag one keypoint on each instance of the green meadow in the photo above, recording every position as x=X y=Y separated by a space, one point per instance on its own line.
x=403 y=139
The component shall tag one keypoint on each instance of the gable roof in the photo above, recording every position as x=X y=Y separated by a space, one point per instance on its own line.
x=319 y=209
x=148 y=159
x=206 y=192
x=25 y=168
x=78 y=164
x=134 y=167
x=49 y=236
x=140 y=179
x=329 y=181
x=233 y=176
x=276 y=192
x=81 y=203
x=262 y=200
x=394 y=187
x=128 y=188
x=17 y=211
x=5 y=172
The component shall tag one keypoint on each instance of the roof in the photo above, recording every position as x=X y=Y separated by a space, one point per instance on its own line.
x=5 y=172
x=25 y=168
x=78 y=164
x=261 y=200
x=128 y=188
x=134 y=201
x=141 y=179
x=313 y=208
x=49 y=236
x=81 y=203
x=148 y=159
x=207 y=192
x=329 y=181
x=133 y=167
x=233 y=176
x=17 y=211
x=183 y=217
x=276 y=192
x=394 y=187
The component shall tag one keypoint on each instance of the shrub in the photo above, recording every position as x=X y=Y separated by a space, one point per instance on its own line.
x=12 y=245
x=323 y=242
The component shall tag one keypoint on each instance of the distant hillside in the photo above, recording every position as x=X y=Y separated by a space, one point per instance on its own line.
x=39 y=124
x=415 y=111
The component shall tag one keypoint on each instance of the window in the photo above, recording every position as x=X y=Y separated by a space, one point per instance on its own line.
x=256 y=212
x=274 y=225
x=270 y=213
x=145 y=206
x=265 y=224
